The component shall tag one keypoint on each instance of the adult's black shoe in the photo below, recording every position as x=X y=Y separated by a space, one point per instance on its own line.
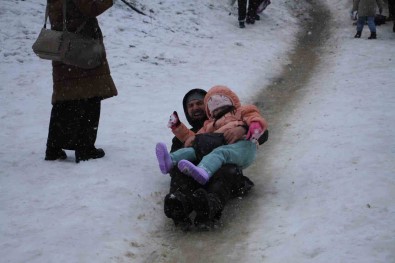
x=55 y=154
x=86 y=154
x=373 y=35
x=250 y=20
x=178 y=208
x=208 y=209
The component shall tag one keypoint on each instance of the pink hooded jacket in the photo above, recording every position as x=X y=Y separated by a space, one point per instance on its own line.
x=243 y=115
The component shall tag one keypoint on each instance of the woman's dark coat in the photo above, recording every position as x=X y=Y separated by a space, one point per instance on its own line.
x=70 y=82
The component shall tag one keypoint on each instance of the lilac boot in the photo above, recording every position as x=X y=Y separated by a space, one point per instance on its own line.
x=199 y=174
x=164 y=159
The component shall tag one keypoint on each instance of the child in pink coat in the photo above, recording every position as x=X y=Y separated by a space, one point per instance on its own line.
x=224 y=111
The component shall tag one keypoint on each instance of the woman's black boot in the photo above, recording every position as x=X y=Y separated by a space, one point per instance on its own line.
x=55 y=154
x=89 y=153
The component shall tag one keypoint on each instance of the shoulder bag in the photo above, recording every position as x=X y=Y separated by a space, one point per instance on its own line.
x=70 y=48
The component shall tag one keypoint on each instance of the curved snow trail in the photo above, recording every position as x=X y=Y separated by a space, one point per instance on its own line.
x=241 y=217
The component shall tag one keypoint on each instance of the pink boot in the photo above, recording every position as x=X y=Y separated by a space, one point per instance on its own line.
x=199 y=174
x=164 y=159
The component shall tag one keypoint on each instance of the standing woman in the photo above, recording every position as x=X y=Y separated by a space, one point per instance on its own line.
x=77 y=92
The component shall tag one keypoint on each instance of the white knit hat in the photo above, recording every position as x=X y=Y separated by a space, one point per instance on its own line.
x=217 y=101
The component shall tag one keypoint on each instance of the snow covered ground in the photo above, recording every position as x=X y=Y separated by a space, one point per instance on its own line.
x=325 y=182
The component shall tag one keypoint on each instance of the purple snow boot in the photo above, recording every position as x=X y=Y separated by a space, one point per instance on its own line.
x=199 y=174
x=164 y=159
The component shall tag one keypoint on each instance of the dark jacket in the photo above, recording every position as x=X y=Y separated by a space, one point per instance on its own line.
x=73 y=83
x=367 y=7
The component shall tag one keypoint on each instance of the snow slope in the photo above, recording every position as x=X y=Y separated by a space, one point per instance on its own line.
x=328 y=173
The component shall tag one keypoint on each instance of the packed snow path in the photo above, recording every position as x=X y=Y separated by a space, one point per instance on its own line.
x=324 y=181
x=276 y=101
x=318 y=197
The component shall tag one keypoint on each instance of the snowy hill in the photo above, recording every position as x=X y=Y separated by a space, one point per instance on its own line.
x=325 y=182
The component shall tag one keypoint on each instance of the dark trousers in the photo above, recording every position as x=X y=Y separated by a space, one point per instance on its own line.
x=391 y=8
x=244 y=11
x=73 y=124
x=226 y=183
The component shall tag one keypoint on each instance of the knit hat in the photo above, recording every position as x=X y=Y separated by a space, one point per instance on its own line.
x=217 y=101
x=194 y=96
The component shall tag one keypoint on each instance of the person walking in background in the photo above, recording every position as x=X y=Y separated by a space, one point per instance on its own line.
x=366 y=12
x=77 y=92
x=247 y=14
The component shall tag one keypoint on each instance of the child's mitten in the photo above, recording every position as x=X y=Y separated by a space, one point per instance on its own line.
x=174 y=121
x=254 y=132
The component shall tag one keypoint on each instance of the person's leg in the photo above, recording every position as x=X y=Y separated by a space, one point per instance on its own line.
x=89 y=115
x=372 y=27
x=242 y=9
x=178 y=202
x=209 y=202
x=91 y=120
x=242 y=12
x=220 y=188
x=371 y=24
x=208 y=207
x=360 y=24
x=183 y=154
x=251 y=13
x=55 y=137
x=226 y=180
x=182 y=183
x=241 y=153
x=391 y=10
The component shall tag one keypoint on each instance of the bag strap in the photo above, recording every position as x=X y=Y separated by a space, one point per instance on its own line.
x=64 y=17
x=46 y=15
